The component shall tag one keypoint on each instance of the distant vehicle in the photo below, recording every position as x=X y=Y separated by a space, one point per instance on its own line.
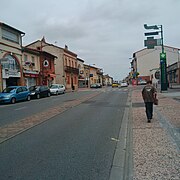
x=96 y=85
x=115 y=85
x=124 y=84
x=39 y=91
x=57 y=89
x=142 y=82
x=12 y=94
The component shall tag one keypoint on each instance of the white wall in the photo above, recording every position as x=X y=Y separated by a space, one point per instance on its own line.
x=148 y=59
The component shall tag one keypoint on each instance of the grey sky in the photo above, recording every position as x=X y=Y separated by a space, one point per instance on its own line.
x=102 y=32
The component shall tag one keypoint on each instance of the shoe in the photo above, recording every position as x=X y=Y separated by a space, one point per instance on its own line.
x=149 y=120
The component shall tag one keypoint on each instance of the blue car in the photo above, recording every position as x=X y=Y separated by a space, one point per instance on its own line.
x=13 y=94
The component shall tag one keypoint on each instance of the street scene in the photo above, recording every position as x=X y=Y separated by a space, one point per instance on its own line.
x=89 y=90
x=91 y=134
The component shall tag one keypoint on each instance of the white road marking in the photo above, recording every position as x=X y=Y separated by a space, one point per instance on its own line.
x=18 y=109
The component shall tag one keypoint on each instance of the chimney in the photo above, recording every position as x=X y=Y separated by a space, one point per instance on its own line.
x=66 y=47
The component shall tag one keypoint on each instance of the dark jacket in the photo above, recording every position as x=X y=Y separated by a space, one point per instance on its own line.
x=149 y=93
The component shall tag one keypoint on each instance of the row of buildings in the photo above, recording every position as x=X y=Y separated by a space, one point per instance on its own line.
x=42 y=63
x=145 y=65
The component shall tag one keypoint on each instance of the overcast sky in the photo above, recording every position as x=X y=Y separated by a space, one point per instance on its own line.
x=102 y=32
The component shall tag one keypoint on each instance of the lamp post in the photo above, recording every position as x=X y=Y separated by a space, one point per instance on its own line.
x=150 y=43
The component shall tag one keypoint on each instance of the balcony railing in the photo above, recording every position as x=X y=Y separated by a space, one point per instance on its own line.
x=71 y=70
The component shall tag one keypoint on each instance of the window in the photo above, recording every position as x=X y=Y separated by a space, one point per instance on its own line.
x=25 y=58
x=65 y=62
x=19 y=90
x=24 y=88
x=72 y=64
x=9 y=35
x=11 y=63
x=75 y=80
x=68 y=80
x=32 y=59
x=69 y=63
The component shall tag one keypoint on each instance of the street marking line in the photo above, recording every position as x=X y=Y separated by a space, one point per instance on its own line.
x=114 y=139
x=24 y=107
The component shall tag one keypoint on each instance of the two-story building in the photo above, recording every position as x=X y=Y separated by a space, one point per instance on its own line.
x=66 y=70
x=107 y=80
x=146 y=63
x=42 y=45
x=10 y=56
x=71 y=69
x=31 y=66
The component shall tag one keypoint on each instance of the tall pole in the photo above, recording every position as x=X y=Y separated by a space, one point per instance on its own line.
x=162 y=43
x=163 y=65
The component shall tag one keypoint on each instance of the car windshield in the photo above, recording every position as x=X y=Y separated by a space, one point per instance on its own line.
x=33 y=88
x=9 y=90
x=54 y=86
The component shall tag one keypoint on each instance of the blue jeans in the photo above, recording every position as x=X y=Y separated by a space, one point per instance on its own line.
x=149 y=109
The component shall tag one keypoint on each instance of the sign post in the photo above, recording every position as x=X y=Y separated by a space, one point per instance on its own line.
x=150 y=43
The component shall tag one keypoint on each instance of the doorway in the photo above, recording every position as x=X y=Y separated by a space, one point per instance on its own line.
x=11 y=81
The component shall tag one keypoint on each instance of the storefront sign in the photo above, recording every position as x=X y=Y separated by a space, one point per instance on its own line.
x=6 y=73
x=33 y=74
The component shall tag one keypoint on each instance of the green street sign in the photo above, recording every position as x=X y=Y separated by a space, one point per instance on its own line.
x=163 y=56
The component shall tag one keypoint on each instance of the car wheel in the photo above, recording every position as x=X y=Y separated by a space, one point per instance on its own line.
x=13 y=100
x=28 y=98
x=48 y=94
x=38 y=96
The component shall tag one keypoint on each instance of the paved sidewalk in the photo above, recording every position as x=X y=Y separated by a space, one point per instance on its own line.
x=156 y=144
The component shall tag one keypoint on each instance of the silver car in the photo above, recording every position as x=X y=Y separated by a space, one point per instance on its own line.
x=57 y=89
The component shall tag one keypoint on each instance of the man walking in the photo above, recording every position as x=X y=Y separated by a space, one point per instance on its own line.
x=149 y=94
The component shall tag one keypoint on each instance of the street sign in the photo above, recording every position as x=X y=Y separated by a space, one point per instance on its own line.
x=163 y=56
x=150 y=27
x=151 y=33
x=150 y=42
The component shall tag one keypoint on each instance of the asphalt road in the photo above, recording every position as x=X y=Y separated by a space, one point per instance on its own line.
x=12 y=112
x=78 y=144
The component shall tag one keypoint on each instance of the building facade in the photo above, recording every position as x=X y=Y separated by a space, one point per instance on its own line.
x=10 y=56
x=82 y=76
x=107 y=80
x=56 y=51
x=31 y=66
x=145 y=63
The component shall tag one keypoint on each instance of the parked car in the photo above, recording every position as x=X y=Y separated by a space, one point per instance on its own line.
x=39 y=91
x=124 y=84
x=115 y=85
x=57 y=89
x=13 y=94
x=142 y=82
x=96 y=85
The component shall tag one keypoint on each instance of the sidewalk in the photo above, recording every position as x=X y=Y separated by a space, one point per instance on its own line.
x=156 y=144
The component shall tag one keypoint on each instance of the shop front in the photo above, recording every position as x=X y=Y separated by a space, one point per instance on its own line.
x=31 y=78
x=10 y=69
